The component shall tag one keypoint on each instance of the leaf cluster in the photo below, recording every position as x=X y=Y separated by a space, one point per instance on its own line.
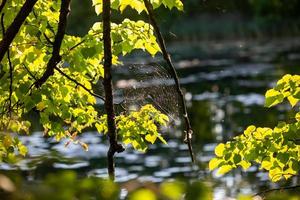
x=276 y=150
x=66 y=103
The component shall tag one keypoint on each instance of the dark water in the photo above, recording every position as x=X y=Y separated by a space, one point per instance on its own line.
x=224 y=83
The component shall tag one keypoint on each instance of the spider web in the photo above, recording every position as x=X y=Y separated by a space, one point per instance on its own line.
x=140 y=84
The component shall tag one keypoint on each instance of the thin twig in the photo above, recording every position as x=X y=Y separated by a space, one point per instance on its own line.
x=188 y=128
x=29 y=72
x=80 y=84
x=277 y=189
x=76 y=45
x=56 y=58
x=15 y=26
x=48 y=39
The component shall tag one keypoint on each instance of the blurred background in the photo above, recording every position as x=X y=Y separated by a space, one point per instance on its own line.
x=227 y=53
x=211 y=19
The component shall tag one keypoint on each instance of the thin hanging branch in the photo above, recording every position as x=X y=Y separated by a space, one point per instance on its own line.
x=80 y=84
x=56 y=58
x=188 y=128
x=107 y=83
x=29 y=72
x=15 y=26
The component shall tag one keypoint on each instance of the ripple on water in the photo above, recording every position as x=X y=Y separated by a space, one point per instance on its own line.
x=183 y=159
x=76 y=151
x=91 y=138
x=130 y=157
x=77 y=165
x=121 y=174
x=249 y=99
x=36 y=144
x=152 y=161
x=162 y=174
x=150 y=179
x=135 y=168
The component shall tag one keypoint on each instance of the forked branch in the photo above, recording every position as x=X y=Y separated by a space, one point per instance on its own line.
x=188 y=128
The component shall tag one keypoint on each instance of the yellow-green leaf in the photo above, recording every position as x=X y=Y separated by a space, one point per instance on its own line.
x=214 y=163
x=224 y=169
x=219 y=150
x=293 y=101
x=245 y=164
x=151 y=138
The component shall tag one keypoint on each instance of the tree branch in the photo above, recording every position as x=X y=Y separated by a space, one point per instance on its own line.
x=2 y=5
x=77 y=83
x=56 y=58
x=107 y=83
x=29 y=72
x=15 y=26
x=10 y=69
x=188 y=128
x=277 y=189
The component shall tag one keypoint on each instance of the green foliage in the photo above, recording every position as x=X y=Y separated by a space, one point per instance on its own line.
x=67 y=185
x=173 y=190
x=137 y=5
x=64 y=186
x=277 y=150
x=139 y=127
x=65 y=108
x=287 y=87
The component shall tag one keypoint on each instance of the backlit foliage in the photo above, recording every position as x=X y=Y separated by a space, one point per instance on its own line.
x=276 y=150
x=65 y=108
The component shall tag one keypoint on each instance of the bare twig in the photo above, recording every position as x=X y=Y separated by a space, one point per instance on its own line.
x=107 y=83
x=76 y=45
x=77 y=83
x=277 y=189
x=29 y=72
x=56 y=58
x=15 y=26
x=188 y=128
x=48 y=39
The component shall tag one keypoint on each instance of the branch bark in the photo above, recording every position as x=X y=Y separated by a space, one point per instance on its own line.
x=107 y=83
x=56 y=58
x=277 y=189
x=10 y=68
x=15 y=26
x=188 y=128
x=2 y=5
